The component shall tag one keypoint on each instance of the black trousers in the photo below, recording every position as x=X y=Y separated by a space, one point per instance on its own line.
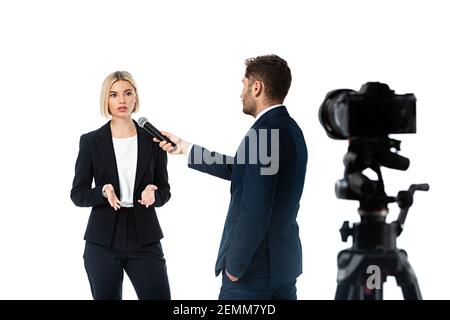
x=144 y=264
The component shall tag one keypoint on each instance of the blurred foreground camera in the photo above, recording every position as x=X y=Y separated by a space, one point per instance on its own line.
x=374 y=110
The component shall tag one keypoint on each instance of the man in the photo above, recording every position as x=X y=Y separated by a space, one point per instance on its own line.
x=260 y=253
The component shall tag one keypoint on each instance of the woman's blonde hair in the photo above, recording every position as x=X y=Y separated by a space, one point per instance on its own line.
x=106 y=87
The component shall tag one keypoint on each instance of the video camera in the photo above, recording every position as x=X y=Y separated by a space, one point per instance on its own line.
x=373 y=111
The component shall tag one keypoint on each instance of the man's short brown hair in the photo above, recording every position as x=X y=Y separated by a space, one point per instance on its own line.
x=273 y=71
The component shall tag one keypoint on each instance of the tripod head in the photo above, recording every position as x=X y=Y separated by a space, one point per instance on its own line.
x=373 y=153
x=369 y=153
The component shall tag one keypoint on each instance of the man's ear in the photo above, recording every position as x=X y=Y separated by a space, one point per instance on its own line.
x=257 y=89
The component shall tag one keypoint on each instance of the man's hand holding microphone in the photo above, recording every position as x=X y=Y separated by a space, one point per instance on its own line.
x=167 y=141
x=181 y=145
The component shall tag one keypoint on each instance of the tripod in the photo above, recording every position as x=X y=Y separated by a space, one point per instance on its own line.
x=363 y=268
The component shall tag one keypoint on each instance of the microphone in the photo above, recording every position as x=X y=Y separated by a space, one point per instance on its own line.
x=143 y=123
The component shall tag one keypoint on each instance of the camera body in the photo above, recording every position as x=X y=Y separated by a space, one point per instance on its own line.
x=373 y=111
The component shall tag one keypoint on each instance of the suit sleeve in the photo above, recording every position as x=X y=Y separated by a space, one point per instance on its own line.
x=210 y=162
x=162 y=195
x=258 y=192
x=82 y=193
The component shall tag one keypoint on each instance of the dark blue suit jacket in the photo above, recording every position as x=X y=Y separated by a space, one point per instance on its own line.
x=263 y=208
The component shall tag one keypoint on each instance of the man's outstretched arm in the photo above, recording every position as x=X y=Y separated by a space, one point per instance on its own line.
x=199 y=158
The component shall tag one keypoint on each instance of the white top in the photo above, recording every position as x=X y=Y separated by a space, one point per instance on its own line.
x=125 y=150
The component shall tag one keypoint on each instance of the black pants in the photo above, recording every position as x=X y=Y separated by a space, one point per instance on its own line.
x=144 y=264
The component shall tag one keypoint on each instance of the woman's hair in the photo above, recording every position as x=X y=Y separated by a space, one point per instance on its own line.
x=106 y=87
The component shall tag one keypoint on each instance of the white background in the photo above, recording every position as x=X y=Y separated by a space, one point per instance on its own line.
x=188 y=60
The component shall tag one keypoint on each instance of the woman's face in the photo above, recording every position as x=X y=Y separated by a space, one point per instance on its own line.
x=122 y=99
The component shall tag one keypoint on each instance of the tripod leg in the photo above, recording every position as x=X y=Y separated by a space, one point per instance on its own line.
x=411 y=292
x=346 y=267
x=407 y=279
x=344 y=292
x=352 y=280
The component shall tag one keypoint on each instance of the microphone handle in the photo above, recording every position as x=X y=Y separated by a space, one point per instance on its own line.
x=162 y=137
x=157 y=134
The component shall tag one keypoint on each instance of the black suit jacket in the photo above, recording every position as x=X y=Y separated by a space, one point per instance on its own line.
x=96 y=160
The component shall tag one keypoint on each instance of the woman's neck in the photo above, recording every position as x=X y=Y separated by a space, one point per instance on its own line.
x=122 y=127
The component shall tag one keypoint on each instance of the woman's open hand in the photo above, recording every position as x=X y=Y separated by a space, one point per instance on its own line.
x=148 y=195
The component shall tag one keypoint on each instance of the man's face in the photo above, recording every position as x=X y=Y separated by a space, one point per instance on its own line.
x=248 y=101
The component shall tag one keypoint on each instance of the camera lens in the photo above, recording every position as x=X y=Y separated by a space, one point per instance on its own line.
x=333 y=114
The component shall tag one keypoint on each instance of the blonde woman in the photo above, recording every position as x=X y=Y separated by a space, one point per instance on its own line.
x=130 y=174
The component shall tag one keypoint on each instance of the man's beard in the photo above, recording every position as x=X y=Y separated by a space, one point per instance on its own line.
x=249 y=105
